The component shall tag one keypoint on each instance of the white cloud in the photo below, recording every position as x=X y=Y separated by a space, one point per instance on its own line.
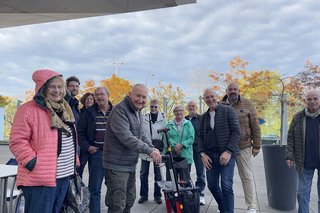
x=276 y=34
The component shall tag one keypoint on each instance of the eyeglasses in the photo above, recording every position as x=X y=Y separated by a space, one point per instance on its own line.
x=153 y=106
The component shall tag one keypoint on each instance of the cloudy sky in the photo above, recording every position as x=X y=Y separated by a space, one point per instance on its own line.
x=175 y=45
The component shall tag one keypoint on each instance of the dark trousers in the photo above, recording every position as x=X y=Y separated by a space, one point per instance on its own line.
x=121 y=191
x=45 y=199
x=144 y=173
x=96 y=175
x=221 y=174
x=201 y=178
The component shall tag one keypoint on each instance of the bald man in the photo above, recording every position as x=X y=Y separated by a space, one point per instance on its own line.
x=303 y=147
x=194 y=117
x=218 y=147
x=124 y=140
x=250 y=141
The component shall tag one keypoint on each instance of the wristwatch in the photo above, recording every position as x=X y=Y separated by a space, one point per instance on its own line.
x=202 y=154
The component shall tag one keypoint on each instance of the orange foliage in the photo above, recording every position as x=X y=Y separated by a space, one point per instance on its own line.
x=118 y=88
x=89 y=86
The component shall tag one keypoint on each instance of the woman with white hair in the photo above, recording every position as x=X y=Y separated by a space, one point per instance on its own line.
x=181 y=137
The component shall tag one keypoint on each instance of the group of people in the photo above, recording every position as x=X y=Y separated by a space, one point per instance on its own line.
x=225 y=135
x=46 y=132
x=52 y=139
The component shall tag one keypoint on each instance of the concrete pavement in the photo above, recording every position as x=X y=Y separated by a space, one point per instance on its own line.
x=211 y=205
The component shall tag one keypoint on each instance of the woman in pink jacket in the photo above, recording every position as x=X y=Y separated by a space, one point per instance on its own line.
x=44 y=141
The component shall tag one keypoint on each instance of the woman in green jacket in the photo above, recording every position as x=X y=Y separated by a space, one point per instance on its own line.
x=181 y=137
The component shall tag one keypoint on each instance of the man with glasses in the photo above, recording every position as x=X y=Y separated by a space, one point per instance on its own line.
x=152 y=122
x=91 y=132
x=73 y=85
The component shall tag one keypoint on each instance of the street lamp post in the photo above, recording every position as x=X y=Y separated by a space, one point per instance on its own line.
x=117 y=65
x=147 y=78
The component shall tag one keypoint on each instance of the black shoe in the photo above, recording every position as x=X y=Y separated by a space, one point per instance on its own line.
x=142 y=200
x=158 y=200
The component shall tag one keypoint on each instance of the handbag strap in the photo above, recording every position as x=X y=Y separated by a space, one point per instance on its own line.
x=150 y=126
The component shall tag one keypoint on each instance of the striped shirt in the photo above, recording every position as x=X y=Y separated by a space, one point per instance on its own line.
x=65 y=162
x=101 y=121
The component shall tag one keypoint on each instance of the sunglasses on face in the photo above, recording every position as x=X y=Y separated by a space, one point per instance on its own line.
x=153 y=106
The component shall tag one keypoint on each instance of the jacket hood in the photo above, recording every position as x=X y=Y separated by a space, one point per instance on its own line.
x=40 y=77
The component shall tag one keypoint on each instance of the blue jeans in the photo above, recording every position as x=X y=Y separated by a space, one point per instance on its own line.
x=144 y=173
x=224 y=194
x=96 y=175
x=45 y=199
x=201 y=178
x=304 y=190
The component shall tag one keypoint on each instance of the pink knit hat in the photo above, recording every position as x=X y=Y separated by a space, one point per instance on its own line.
x=40 y=77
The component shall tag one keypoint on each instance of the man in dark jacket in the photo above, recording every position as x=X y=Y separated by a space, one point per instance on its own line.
x=125 y=139
x=73 y=85
x=91 y=131
x=303 y=147
x=218 y=146
x=194 y=117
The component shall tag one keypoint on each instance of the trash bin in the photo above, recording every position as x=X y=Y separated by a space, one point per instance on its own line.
x=281 y=180
x=270 y=139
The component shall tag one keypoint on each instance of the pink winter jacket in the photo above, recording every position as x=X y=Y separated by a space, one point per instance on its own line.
x=31 y=136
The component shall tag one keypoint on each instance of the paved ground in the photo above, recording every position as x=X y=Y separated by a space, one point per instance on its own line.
x=211 y=205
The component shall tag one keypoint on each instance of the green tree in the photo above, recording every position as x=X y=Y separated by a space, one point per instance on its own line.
x=173 y=96
x=10 y=111
x=4 y=100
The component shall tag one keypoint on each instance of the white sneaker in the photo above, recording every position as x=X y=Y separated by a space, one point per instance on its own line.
x=202 y=201
x=218 y=211
x=251 y=211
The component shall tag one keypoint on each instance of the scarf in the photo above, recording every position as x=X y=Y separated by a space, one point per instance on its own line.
x=64 y=111
x=311 y=115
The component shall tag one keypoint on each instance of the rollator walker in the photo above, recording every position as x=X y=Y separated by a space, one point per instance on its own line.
x=180 y=195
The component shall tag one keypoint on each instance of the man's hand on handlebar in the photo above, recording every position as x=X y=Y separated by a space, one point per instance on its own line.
x=156 y=156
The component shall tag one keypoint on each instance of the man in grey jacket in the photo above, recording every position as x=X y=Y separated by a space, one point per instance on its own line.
x=124 y=140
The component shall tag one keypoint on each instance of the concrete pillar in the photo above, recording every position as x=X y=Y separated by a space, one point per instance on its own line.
x=1 y=123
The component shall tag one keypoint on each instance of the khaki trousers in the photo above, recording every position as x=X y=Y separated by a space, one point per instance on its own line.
x=121 y=191
x=244 y=165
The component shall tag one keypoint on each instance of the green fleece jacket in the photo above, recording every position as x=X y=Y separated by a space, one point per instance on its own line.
x=184 y=137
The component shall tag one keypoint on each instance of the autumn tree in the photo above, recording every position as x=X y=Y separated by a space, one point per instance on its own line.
x=236 y=72
x=4 y=100
x=118 y=88
x=294 y=86
x=89 y=86
x=257 y=85
x=10 y=111
x=168 y=97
